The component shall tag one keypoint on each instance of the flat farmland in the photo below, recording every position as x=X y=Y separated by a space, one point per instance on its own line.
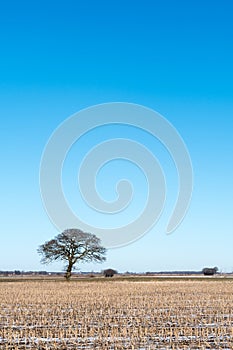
x=116 y=314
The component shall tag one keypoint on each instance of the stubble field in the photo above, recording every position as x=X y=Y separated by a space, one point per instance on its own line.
x=116 y=314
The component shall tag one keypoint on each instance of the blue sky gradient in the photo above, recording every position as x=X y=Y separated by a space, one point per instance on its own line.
x=172 y=56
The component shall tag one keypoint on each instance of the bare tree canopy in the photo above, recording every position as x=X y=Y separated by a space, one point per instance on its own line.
x=72 y=246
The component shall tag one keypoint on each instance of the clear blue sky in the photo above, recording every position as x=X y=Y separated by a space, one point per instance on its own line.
x=173 y=56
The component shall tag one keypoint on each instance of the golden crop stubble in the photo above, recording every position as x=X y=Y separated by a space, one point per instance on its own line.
x=126 y=314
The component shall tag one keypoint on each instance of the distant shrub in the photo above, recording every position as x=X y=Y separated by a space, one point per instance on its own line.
x=210 y=271
x=109 y=272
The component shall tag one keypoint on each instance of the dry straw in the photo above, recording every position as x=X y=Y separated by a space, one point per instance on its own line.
x=116 y=315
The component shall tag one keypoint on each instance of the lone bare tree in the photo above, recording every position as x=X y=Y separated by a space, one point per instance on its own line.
x=72 y=246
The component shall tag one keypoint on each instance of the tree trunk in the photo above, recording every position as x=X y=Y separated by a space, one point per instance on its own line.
x=68 y=271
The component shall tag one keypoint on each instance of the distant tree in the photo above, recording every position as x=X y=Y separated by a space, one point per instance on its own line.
x=210 y=271
x=17 y=272
x=109 y=272
x=42 y=273
x=72 y=246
